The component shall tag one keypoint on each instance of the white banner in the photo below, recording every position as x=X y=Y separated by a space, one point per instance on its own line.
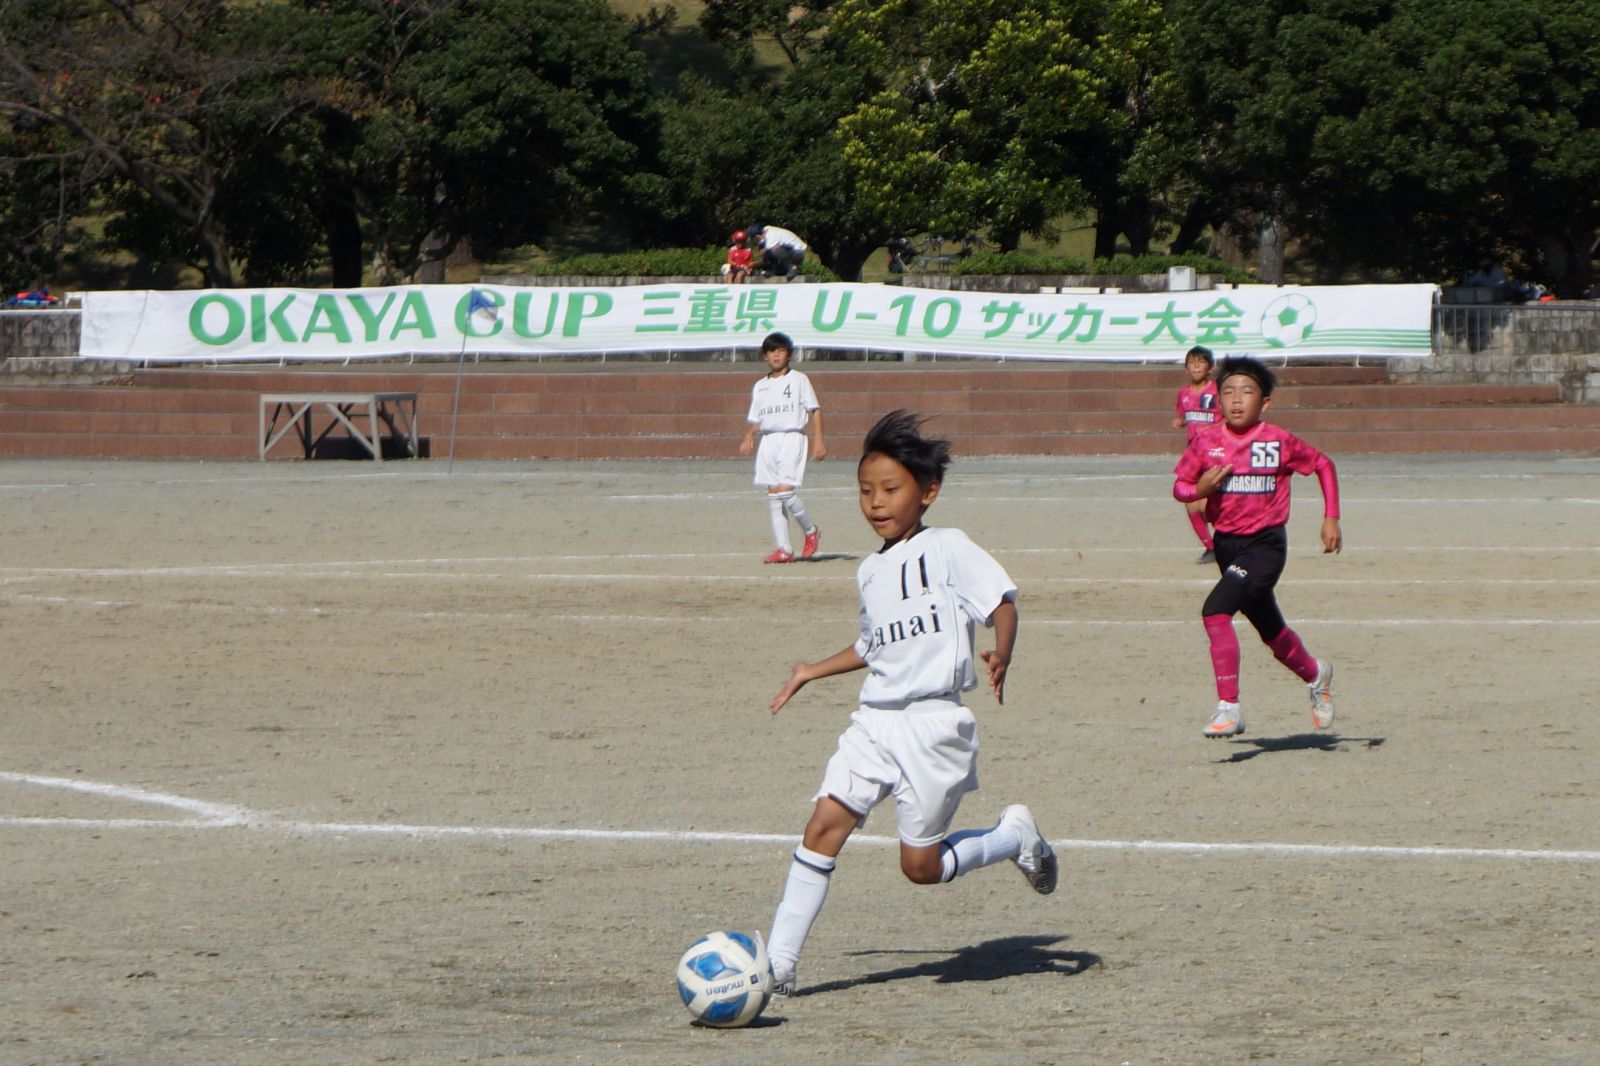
x=266 y=325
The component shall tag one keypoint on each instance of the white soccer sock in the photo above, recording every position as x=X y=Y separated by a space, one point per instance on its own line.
x=973 y=848
x=780 y=520
x=797 y=511
x=809 y=874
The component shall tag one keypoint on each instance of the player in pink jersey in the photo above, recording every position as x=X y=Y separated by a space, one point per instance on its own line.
x=1241 y=468
x=1196 y=409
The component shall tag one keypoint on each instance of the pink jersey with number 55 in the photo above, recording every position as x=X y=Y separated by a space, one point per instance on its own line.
x=1261 y=460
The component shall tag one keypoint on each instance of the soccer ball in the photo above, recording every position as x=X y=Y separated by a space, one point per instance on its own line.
x=725 y=979
x=1288 y=320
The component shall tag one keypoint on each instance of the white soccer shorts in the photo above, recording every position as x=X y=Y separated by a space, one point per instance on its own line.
x=781 y=459
x=926 y=759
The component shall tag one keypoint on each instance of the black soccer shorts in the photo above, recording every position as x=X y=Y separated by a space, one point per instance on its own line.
x=1251 y=565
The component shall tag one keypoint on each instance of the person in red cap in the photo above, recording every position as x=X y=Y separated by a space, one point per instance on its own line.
x=737 y=268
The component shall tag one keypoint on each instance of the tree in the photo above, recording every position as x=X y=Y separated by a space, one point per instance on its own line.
x=1237 y=174
x=796 y=29
x=1479 y=131
x=154 y=90
x=248 y=138
x=480 y=120
x=1410 y=136
x=42 y=188
x=1009 y=113
x=806 y=180
x=765 y=147
x=715 y=147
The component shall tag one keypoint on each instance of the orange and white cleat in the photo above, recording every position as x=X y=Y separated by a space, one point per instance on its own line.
x=814 y=538
x=1227 y=722
x=780 y=555
x=1322 y=696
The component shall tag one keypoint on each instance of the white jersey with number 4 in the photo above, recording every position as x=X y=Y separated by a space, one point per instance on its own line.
x=920 y=602
x=782 y=404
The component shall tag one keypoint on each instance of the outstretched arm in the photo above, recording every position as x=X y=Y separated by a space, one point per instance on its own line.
x=998 y=661
x=1328 y=478
x=840 y=662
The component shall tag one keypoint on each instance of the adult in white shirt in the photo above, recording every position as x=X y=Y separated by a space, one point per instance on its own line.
x=781 y=250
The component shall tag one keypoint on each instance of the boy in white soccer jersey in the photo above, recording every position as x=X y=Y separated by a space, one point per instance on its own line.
x=782 y=406
x=911 y=738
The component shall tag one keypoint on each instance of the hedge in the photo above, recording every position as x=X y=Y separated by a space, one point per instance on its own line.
x=657 y=263
x=1031 y=263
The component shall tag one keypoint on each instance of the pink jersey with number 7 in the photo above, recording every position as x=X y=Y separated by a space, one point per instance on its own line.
x=1198 y=410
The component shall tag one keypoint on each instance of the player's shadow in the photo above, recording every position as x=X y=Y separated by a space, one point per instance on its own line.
x=992 y=960
x=825 y=557
x=1297 y=742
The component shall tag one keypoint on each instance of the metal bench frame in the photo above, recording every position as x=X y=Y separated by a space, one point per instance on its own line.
x=396 y=410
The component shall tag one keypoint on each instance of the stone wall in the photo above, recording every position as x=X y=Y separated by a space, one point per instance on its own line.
x=38 y=333
x=1504 y=344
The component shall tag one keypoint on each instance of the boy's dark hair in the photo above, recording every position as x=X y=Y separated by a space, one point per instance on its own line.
x=1250 y=367
x=898 y=435
x=775 y=341
x=1203 y=352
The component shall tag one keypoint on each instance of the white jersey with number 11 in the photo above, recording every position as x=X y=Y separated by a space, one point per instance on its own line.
x=920 y=603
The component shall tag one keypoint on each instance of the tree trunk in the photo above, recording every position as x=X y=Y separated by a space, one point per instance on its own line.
x=384 y=270
x=1202 y=213
x=218 y=267
x=1106 y=228
x=1123 y=218
x=1568 y=258
x=341 y=228
x=435 y=247
x=846 y=258
x=1137 y=224
x=1271 y=236
x=1234 y=239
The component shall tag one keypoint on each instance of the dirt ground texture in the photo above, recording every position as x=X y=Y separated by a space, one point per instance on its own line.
x=312 y=763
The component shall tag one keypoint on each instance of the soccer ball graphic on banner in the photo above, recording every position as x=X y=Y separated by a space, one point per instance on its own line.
x=725 y=979
x=1288 y=320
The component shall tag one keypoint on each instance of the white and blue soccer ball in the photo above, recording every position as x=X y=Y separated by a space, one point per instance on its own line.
x=1288 y=320
x=725 y=979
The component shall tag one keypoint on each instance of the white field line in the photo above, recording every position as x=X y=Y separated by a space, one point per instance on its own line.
x=320 y=567
x=537 y=616
x=204 y=815
x=1365 y=549
x=270 y=477
x=966 y=496
x=360 y=571
x=533 y=470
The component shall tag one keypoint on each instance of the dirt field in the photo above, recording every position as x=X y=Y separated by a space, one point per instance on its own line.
x=331 y=763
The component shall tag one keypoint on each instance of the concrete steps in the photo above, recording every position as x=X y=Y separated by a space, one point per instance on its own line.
x=643 y=411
